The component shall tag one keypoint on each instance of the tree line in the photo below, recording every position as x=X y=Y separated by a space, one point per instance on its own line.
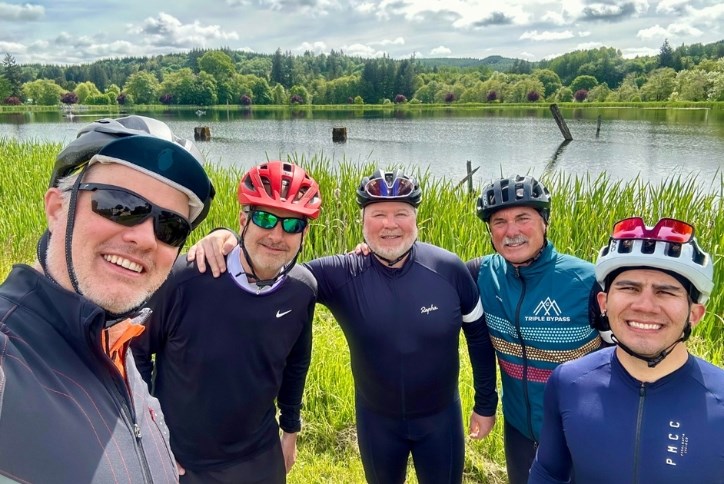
x=227 y=77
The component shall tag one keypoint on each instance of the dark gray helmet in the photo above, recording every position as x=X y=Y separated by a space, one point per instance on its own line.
x=388 y=186
x=161 y=158
x=516 y=191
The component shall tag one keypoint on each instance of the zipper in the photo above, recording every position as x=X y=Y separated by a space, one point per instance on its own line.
x=524 y=354
x=639 y=421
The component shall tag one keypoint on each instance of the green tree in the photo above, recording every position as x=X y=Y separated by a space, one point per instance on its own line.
x=692 y=85
x=666 y=55
x=583 y=82
x=302 y=92
x=599 y=93
x=520 y=91
x=13 y=74
x=143 y=87
x=43 y=92
x=279 y=95
x=5 y=88
x=220 y=66
x=85 y=89
x=659 y=85
x=564 y=94
x=551 y=81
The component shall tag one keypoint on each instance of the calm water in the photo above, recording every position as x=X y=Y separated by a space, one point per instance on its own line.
x=651 y=143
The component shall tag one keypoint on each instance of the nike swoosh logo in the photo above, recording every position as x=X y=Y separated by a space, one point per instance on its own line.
x=280 y=314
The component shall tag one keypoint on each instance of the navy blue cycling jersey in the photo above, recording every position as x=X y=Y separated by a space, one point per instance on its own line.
x=607 y=427
x=403 y=327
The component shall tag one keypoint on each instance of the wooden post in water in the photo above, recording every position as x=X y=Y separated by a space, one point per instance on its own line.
x=202 y=133
x=598 y=125
x=469 y=177
x=339 y=135
x=561 y=122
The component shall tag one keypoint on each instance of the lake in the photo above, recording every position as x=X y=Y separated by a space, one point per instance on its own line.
x=651 y=143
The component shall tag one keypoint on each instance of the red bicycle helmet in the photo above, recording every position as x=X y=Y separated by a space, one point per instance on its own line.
x=282 y=185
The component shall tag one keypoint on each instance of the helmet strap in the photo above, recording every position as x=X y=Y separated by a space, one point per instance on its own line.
x=391 y=262
x=652 y=361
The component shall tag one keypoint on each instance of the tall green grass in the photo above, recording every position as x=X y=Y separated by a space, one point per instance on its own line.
x=584 y=209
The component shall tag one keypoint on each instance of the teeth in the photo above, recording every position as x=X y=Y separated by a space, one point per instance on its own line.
x=637 y=325
x=125 y=263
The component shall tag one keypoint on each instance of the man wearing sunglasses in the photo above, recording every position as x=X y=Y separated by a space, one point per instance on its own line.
x=227 y=349
x=123 y=197
x=401 y=310
x=536 y=307
x=656 y=411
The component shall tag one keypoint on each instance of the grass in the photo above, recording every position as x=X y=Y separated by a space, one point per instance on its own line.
x=584 y=209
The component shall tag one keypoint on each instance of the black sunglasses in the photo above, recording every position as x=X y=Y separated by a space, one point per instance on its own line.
x=127 y=208
x=268 y=221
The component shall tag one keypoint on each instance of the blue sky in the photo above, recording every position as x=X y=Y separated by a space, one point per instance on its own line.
x=73 y=32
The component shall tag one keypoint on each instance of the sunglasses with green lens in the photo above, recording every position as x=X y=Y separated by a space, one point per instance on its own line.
x=268 y=221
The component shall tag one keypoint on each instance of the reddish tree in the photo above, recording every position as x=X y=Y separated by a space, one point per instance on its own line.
x=69 y=98
x=533 y=96
x=350 y=100
x=580 y=95
x=12 y=101
x=400 y=99
x=296 y=99
x=245 y=100
x=449 y=97
x=166 y=99
x=121 y=99
x=492 y=96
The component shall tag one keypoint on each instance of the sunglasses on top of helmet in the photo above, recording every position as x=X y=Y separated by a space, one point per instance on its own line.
x=129 y=209
x=665 y=230
x=399 y=188
x=268 y=221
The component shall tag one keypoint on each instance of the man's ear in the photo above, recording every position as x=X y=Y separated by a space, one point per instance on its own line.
x=243 y=218
x=602 y=298
x=55 y=212
x=696 y=313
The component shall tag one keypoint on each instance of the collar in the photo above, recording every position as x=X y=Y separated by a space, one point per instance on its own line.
x=236 y=271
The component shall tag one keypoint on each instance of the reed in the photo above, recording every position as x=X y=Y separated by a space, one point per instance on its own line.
x=584 y=209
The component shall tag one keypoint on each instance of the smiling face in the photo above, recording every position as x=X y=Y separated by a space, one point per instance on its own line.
x=648 y=310
x=117 y=267
x=518 y=233
x=269 y=249
x=389 y=228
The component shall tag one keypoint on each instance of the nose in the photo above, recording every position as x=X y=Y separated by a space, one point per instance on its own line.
x=276 y=232
x=645 y=302
x=389 y=221
x=141 y=235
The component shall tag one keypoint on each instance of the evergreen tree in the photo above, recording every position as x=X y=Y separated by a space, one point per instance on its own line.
x=277 y=70
x=12 y=73
x=666 y=55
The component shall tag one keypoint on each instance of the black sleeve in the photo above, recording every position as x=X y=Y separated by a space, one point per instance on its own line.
x=473 y=266
x=294 y=377
x=482 y=359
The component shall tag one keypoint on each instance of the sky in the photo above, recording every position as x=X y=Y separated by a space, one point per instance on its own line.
x=79 y=32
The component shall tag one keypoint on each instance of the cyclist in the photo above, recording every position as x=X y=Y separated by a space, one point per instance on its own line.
x=123 y=198
x=536 y=307
x=401 y=310
x=250 y=334
x=656 y=411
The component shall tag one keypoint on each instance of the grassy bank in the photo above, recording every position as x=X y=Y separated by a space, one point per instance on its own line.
x=583 y=211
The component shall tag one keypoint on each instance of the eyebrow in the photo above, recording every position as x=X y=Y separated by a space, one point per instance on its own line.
x=666 y=287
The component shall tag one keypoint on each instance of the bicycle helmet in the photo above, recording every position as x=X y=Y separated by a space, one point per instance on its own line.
x=388 y=186
x=147 y=145
x=684 y=259
x=516 y=191
x=281 y=185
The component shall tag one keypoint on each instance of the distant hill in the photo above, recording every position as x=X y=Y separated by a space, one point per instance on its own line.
x=495 y=62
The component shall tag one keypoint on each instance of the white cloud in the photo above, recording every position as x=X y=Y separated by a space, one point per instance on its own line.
x=12 y=47
x=589 y=45
x=167 y=31
x=654 y=32
x=584 y=33
x=675 y=30
x=554 y=18
x=668 y=7
x=362 y=50
x=546 y=35
x=630 y=53
x=526 y=55
x=11 y=12
x=315 y=47
x=397 y=41
x=440 y=51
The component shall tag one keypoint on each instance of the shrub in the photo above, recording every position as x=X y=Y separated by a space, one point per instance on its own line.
x=12 y=101
x=492 y=96
x=245 y=100
x=533 y=96
x=580 y=95
x=296 y=99
x=400 y=99
x=166 y=99
x=69 y=98
x=449 y=97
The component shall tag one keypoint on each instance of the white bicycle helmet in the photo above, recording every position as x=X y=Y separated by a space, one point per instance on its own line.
x=684 y=258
